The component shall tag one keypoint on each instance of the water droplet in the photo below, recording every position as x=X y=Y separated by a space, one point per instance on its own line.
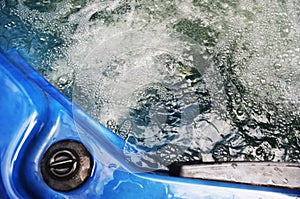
x=234 y=165
x=285 y=181
x=112 y=166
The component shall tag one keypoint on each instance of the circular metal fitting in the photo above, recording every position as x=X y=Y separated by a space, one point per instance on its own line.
x=66 y=165
x=63 y=163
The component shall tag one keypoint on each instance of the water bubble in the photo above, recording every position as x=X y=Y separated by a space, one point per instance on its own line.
x=221 y=153
x=248 y=69
x=112 y=125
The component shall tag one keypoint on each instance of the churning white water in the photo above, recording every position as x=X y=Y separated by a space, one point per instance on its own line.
x=212 y=80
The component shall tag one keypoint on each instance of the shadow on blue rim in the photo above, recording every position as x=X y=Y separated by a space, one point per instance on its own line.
x=35 y=115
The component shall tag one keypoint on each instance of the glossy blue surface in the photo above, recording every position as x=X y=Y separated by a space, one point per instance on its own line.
x=35 y=115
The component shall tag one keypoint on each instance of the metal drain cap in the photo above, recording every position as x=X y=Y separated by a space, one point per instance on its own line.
x=66 y=165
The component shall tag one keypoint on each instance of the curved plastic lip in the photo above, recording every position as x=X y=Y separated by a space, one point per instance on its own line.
x=237 y=171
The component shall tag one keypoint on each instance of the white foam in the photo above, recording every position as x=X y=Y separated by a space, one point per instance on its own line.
x=135 y=49
x=111 y=62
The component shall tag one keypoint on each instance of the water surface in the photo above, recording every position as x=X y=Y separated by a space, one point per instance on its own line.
x=213 y=80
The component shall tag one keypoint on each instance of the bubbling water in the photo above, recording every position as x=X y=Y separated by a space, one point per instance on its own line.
x=178 y=80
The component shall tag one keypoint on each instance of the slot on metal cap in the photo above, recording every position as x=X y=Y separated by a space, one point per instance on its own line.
x=66 y=165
